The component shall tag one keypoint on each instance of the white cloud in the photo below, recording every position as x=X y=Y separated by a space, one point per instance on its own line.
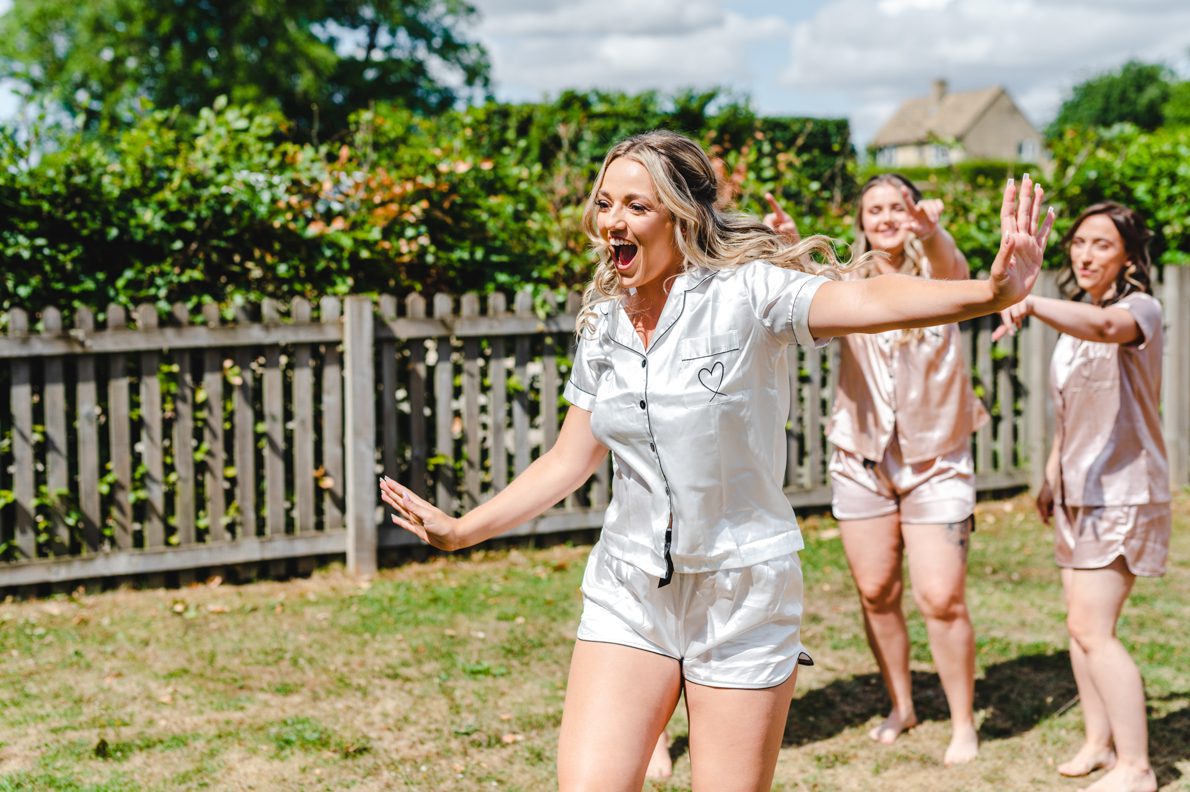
x=593 y=17
x=541 y=47
x=880 y=52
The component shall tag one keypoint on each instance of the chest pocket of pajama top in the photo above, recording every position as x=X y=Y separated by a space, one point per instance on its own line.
x=1096 y=368
x=710 y=371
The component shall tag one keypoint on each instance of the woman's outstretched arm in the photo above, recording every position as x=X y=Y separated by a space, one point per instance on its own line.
x=551 y=477
x=1088 y=322
x=890 y=302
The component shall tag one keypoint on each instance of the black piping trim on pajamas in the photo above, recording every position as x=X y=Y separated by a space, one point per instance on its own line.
x=584 y=390
x=712 y=354
x=667 y=578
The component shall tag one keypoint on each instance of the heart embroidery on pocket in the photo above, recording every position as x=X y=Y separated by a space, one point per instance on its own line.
x=713 y=374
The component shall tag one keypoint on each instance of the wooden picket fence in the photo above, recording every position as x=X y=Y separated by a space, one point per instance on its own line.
x=183 y=445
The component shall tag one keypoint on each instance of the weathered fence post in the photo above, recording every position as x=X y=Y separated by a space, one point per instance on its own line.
x=1175 y=385
x=23 y=454
x=360 y=487
x=1037 y=346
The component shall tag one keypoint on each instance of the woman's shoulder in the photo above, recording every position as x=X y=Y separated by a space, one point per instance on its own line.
x=1139 y=299
x=760 y=270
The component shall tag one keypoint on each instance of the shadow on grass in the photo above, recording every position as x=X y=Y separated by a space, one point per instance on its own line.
x=1015 y=695
x=1169 y=742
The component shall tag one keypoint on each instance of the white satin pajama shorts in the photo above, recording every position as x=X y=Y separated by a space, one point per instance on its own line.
x=731 y=628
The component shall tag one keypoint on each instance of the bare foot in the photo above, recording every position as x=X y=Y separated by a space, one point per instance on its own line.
x=888 y=731
x=1088 y=759
x=660 y=765
x=1125 y=778
x=964 y=746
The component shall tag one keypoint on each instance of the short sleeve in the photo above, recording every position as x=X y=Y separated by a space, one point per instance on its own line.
x=588 y=366
x=1146 y=310
x=781 y=298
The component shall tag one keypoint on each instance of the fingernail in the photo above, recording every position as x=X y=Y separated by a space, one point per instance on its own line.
x=1011 y=181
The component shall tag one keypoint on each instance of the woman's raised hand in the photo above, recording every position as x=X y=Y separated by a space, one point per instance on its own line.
x=1022 y=242
x=1012 y=318
x=923 y=216
x=420 y=517
x=780 y=221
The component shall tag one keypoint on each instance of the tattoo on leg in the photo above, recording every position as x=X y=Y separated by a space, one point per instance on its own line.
x=959 y=534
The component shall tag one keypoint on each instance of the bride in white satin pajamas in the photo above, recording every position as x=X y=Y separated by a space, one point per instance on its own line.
x=695 y=584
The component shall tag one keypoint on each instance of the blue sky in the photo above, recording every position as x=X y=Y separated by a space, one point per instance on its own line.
x=845 y=58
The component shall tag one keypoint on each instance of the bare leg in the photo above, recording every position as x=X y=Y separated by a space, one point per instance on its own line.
x=618 y=700
x=661 y=764
x=1096 y=597
x=938 y=571
x=873 y=549
x=735 y=735
x=1097 y=751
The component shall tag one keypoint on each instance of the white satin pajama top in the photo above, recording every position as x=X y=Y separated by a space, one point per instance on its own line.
x=696 y=423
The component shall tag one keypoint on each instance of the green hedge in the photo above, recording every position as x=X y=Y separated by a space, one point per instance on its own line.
x=1149 y=171
x=225 y=208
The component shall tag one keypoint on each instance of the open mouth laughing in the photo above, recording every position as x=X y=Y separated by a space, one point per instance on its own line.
x=623 y=253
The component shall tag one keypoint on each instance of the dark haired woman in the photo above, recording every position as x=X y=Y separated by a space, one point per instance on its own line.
x=695 y=584
x=1107 y=478
x=902 y=475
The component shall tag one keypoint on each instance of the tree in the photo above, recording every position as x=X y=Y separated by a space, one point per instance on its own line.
x=1135 y=94
x=314 y=60
x=1177 y=107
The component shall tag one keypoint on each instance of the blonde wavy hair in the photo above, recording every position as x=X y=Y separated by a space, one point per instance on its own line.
x=706 y=234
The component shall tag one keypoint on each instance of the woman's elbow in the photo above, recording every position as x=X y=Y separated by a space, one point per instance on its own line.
x=1114 y=331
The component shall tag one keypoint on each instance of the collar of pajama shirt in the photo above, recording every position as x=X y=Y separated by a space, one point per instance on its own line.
x=696 y=423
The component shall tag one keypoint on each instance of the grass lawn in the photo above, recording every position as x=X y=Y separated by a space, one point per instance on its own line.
x=449 y=674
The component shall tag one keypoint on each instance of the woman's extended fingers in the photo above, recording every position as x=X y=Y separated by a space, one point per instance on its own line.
x=1011 y=318
x=1043 y=235
x=1008 y=209
x=933 y=209
x=1038 y=195
x=923 y=215
x=776 y=207
x=1007 y=327
x=1024 y=208
x=412 y=509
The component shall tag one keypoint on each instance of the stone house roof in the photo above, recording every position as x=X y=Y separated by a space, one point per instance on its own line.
x=941 y=115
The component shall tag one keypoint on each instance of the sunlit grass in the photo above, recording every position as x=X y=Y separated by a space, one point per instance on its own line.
x=449 y=674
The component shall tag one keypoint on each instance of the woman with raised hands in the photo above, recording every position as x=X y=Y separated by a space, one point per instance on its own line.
x=902 y=474
x=680 y=372
x=1106 y=485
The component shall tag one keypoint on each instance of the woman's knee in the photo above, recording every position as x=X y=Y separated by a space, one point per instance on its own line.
x=940 y=604
x=878 y=595
x=1088 y=632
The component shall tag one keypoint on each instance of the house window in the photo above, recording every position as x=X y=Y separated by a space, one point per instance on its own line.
x=886 y=157
x=1026 y=150
x=937 y=155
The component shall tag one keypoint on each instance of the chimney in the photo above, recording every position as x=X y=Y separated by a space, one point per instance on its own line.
x=938 y=91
